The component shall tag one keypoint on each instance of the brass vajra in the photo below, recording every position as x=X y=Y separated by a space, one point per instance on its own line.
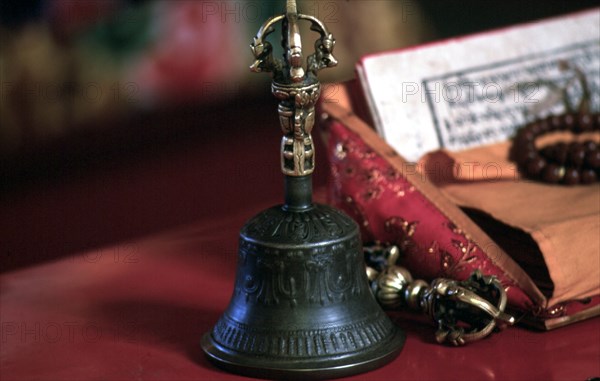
x=296 y=88
x=464 y=311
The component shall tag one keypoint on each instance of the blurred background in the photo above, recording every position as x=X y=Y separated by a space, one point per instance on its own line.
x=73 y=73
x=119 y=118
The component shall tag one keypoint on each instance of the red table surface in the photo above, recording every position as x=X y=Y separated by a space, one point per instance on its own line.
x=144 y=261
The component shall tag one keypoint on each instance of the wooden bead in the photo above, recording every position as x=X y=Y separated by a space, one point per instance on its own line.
x=526 y=155
x=552 y=173
x=584 y=122
x=596 y=121
x=543 y=126
x=590 y=145
x=555 y=122
x=588 y=176
x=570 y=164
x=561 y=151
x=569 y=122
x=537 y=128
x=592 y=159
x=524 y=150
x=571 y=176
x=535 y=166
x=576 y=154
x=526 y=135
x=548 y=152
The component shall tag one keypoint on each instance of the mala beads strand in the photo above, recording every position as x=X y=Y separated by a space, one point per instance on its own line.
x=568 y=164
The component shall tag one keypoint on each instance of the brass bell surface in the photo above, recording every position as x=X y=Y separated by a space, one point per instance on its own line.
x=302 y=307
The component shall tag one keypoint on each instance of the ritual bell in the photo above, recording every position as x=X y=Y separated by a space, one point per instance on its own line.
x=301 y=306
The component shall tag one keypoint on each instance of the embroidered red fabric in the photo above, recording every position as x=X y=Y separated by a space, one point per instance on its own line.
x=395 y=203
x=391 y=209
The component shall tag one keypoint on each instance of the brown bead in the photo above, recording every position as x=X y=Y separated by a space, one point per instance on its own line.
x=556 y=122
x=535 y=128
x=590 y=145
x=523 y=150
x=588 y=176
x=535 y=166
x=523 y=156
x=592 y=159
x=552 y=173
x=541 y=127
x=571 y=176
x=596 y=121
x=547 y=152
x=584 y=122
x=570 y=164
x=561 y=151
x=570 y=122
x=576 y=154
x=526 y=134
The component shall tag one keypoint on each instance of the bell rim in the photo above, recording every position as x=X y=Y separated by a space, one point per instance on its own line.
x=318 y=368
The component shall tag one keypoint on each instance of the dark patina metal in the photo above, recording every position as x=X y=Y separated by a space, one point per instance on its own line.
x=302 y=306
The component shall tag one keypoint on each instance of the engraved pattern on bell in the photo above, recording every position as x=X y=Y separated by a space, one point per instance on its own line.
x=302 y=295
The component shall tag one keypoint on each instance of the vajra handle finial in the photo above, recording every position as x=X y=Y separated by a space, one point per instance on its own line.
x=296 y=86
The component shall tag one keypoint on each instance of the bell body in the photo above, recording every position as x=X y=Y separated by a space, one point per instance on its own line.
x=301 y=306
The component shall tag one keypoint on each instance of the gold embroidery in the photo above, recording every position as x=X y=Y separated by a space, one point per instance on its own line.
x=404 y=230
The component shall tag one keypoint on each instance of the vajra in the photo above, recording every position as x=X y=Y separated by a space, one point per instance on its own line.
x=464 y=311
